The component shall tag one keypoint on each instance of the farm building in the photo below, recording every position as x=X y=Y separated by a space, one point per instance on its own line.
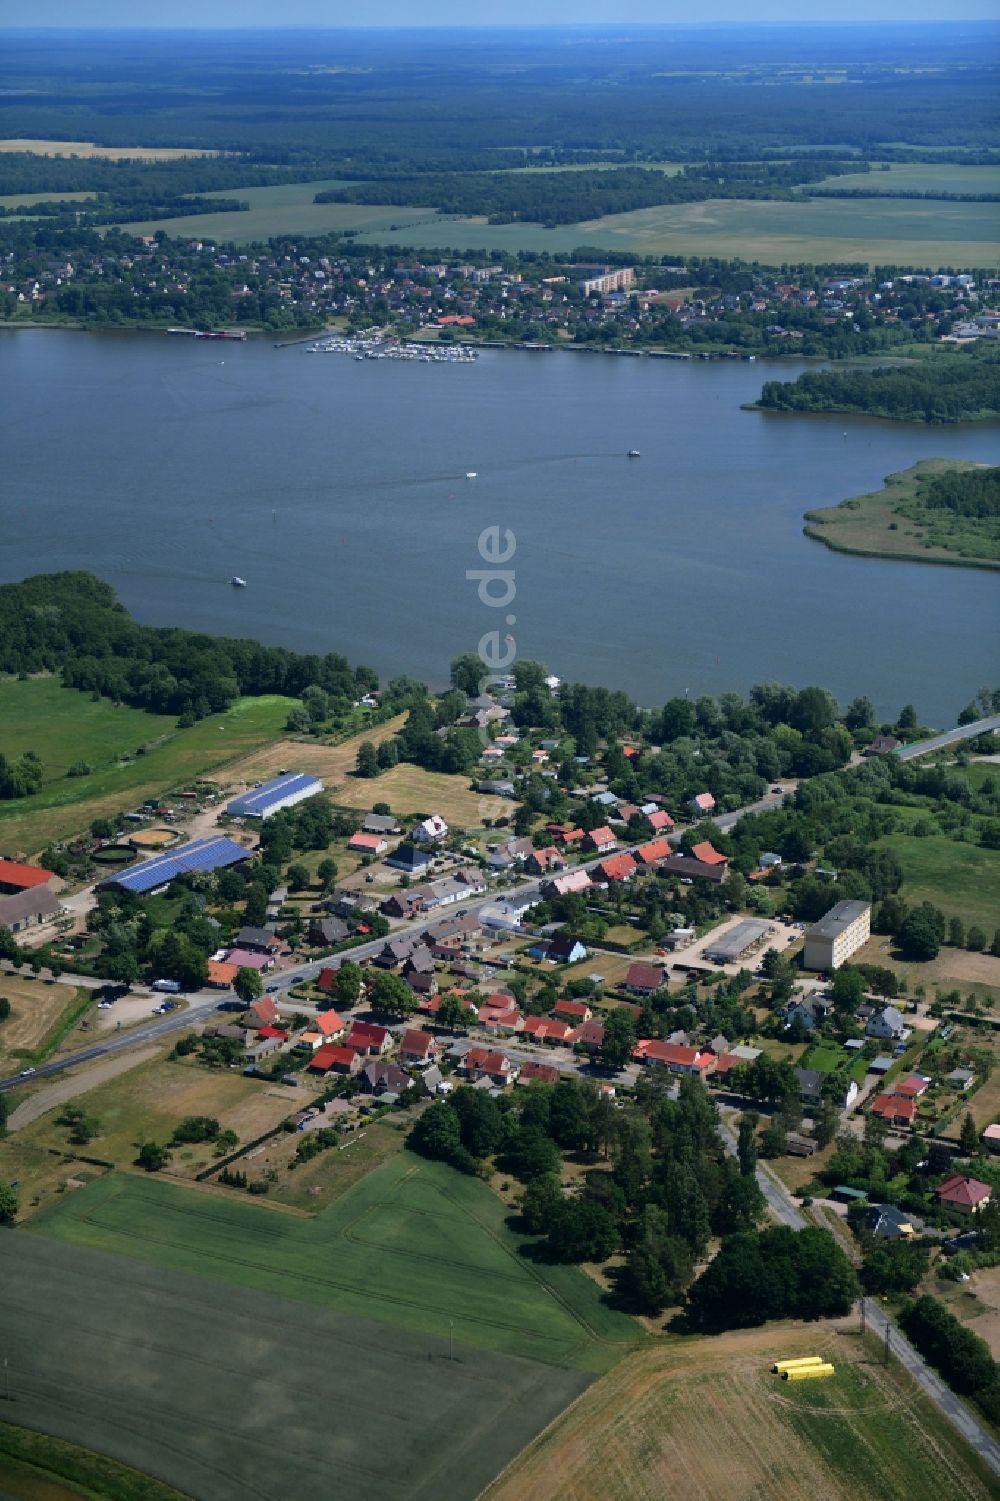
x=200 y=855
x=27 y=908
x=732 y=946
x=368 y=844
x=381 y=823
x=838 y=935
x=15 y=877
x=409 y=859
x=270 y=797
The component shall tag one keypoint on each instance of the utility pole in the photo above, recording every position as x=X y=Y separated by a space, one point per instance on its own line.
x=451 y=1339
x=6 y=1380
x=888 y=1330
x=863 y=1317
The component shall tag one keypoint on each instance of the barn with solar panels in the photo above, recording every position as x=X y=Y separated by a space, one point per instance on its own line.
x=270 y=797
x=202 y=855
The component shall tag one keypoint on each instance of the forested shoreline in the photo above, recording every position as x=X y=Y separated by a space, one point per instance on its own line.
x=961 y=388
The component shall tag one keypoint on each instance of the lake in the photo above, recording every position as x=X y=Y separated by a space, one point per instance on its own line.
x=337 y=489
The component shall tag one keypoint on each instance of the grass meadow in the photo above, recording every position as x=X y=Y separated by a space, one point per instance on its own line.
x=238 y=1393
x=706 y=1418
x=63 y=726
x=962 y=879
x=895 y=522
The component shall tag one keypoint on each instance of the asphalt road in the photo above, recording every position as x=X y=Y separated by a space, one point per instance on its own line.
x=948 y=737
x=941 y=1395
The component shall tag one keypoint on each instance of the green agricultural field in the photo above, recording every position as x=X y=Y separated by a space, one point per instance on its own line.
x=919 y=177
x=28 y=200
x=63 y=726
x=414 y=1245
x=907 y=230
x=288 y=209
x=234 y=1393
x=962 y=879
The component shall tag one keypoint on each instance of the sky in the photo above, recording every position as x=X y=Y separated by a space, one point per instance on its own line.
x=265 y=13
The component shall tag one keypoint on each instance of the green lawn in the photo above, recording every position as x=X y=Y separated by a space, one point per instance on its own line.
x=962 y=879
x=63 y=726
x=414 y=1245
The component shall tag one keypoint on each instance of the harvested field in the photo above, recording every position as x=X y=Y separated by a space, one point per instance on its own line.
x=704 y=1418
x=414 y=1246
x=330 y=762
x=410 y=789
x=111 y=153
x=191 y=1381
x=35 y=1010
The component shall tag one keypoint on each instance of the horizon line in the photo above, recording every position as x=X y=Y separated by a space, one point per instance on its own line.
x=602 y=26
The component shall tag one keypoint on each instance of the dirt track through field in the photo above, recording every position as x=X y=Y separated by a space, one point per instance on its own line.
x=71 y=1085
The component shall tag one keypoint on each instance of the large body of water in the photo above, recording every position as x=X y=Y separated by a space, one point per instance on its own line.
x=338 y=490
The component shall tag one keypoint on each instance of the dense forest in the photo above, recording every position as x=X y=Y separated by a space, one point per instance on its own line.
x=412 y=101
x=72 y=623
x=969 y=492
x=952 y=389
x=552 y=198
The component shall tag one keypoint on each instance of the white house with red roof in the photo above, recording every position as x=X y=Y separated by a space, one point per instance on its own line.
x=600 y=841
x=701 y=804
x=328 y=1027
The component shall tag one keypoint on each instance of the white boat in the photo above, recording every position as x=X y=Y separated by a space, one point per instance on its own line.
x=633 y=453
x=237 y=582
x=471 y=474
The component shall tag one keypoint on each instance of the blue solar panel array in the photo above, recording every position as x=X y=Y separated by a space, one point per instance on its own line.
x=259 y=802
x=201 y=854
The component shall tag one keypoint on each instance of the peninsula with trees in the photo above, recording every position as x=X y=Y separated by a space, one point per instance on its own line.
x=938 y=511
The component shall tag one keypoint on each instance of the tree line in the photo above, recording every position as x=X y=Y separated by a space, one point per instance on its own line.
x=72 y=623
x=956 y=388
x=553 y=198
x=966 y=492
